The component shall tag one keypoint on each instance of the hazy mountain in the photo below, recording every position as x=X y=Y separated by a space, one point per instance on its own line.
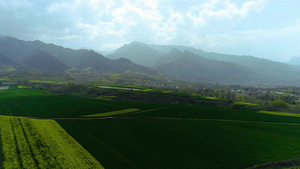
x=153 y=56
x=100 y=63
x=191 y=67
x=124 y=64
x=182 y=62
x=25 y=52
x=267 y=67
x=138 y=53
x=18 y=49
x=105 y=53
x=43 y=61
x=14 y=49
x=294 y=60
x=171 y=56
x=68 y=56
x=165 y=49
x=5 y=61
x=264 y=66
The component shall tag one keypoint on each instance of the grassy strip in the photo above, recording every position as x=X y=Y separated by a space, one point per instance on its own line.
x=68 y=152
x=112 y=113
x=212 y=98
x=245 y=104
x=23 y=87
x=40 y=81
x=280 y=113
x=147 y=90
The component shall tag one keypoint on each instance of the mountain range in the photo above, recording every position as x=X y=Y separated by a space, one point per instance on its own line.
x=196 y=65
x=138 y=52
x=53 y=58
x=181 y=62
x=191 y=67
x=5 y=61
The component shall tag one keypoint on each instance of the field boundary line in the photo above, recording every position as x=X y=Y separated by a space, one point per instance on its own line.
x=161 y=118
x=157 y=118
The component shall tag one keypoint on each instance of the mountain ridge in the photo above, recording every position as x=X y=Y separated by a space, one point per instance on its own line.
x=17 y=50
x=191 y=67
x=42 y=60
x=198 y=65
x=138 y=53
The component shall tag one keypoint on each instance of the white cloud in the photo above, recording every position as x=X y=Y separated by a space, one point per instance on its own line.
x=107 y=4
x=105 y=24
x=167 y=31
x=71 y=37
x=110 y=46
x=210 y=4
x=263 y=34
x=138 y=10
x=232 y=38
x=223 y=9
x=15 y=4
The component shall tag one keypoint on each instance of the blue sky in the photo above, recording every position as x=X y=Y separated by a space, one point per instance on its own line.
x=262 y=28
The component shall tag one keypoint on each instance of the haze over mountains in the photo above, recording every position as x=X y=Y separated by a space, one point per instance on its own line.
x=191 y=67
x=294 y=61
x=196 y=65
x=183 y=63
x=53 y=58
x=41 y=60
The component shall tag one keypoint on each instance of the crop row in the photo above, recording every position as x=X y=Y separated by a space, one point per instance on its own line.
x=32 y=143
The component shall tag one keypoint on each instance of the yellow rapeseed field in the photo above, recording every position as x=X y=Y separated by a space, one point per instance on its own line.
x=35 y=143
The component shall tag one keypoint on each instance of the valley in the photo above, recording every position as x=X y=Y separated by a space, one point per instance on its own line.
x=140 y=134
x=131 y=84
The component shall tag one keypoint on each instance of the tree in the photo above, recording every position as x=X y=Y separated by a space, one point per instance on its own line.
x=240 y=98
x=290 y=90
x=220 y=94
x=297 y=108
x=279 y=104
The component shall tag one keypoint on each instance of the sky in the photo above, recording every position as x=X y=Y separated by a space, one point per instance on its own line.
x=262 y=28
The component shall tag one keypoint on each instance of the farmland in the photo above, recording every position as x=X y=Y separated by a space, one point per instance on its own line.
x=167 y=143
x=31 y=143
x=125 y=134
x=118 y=112
x=36 y=103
